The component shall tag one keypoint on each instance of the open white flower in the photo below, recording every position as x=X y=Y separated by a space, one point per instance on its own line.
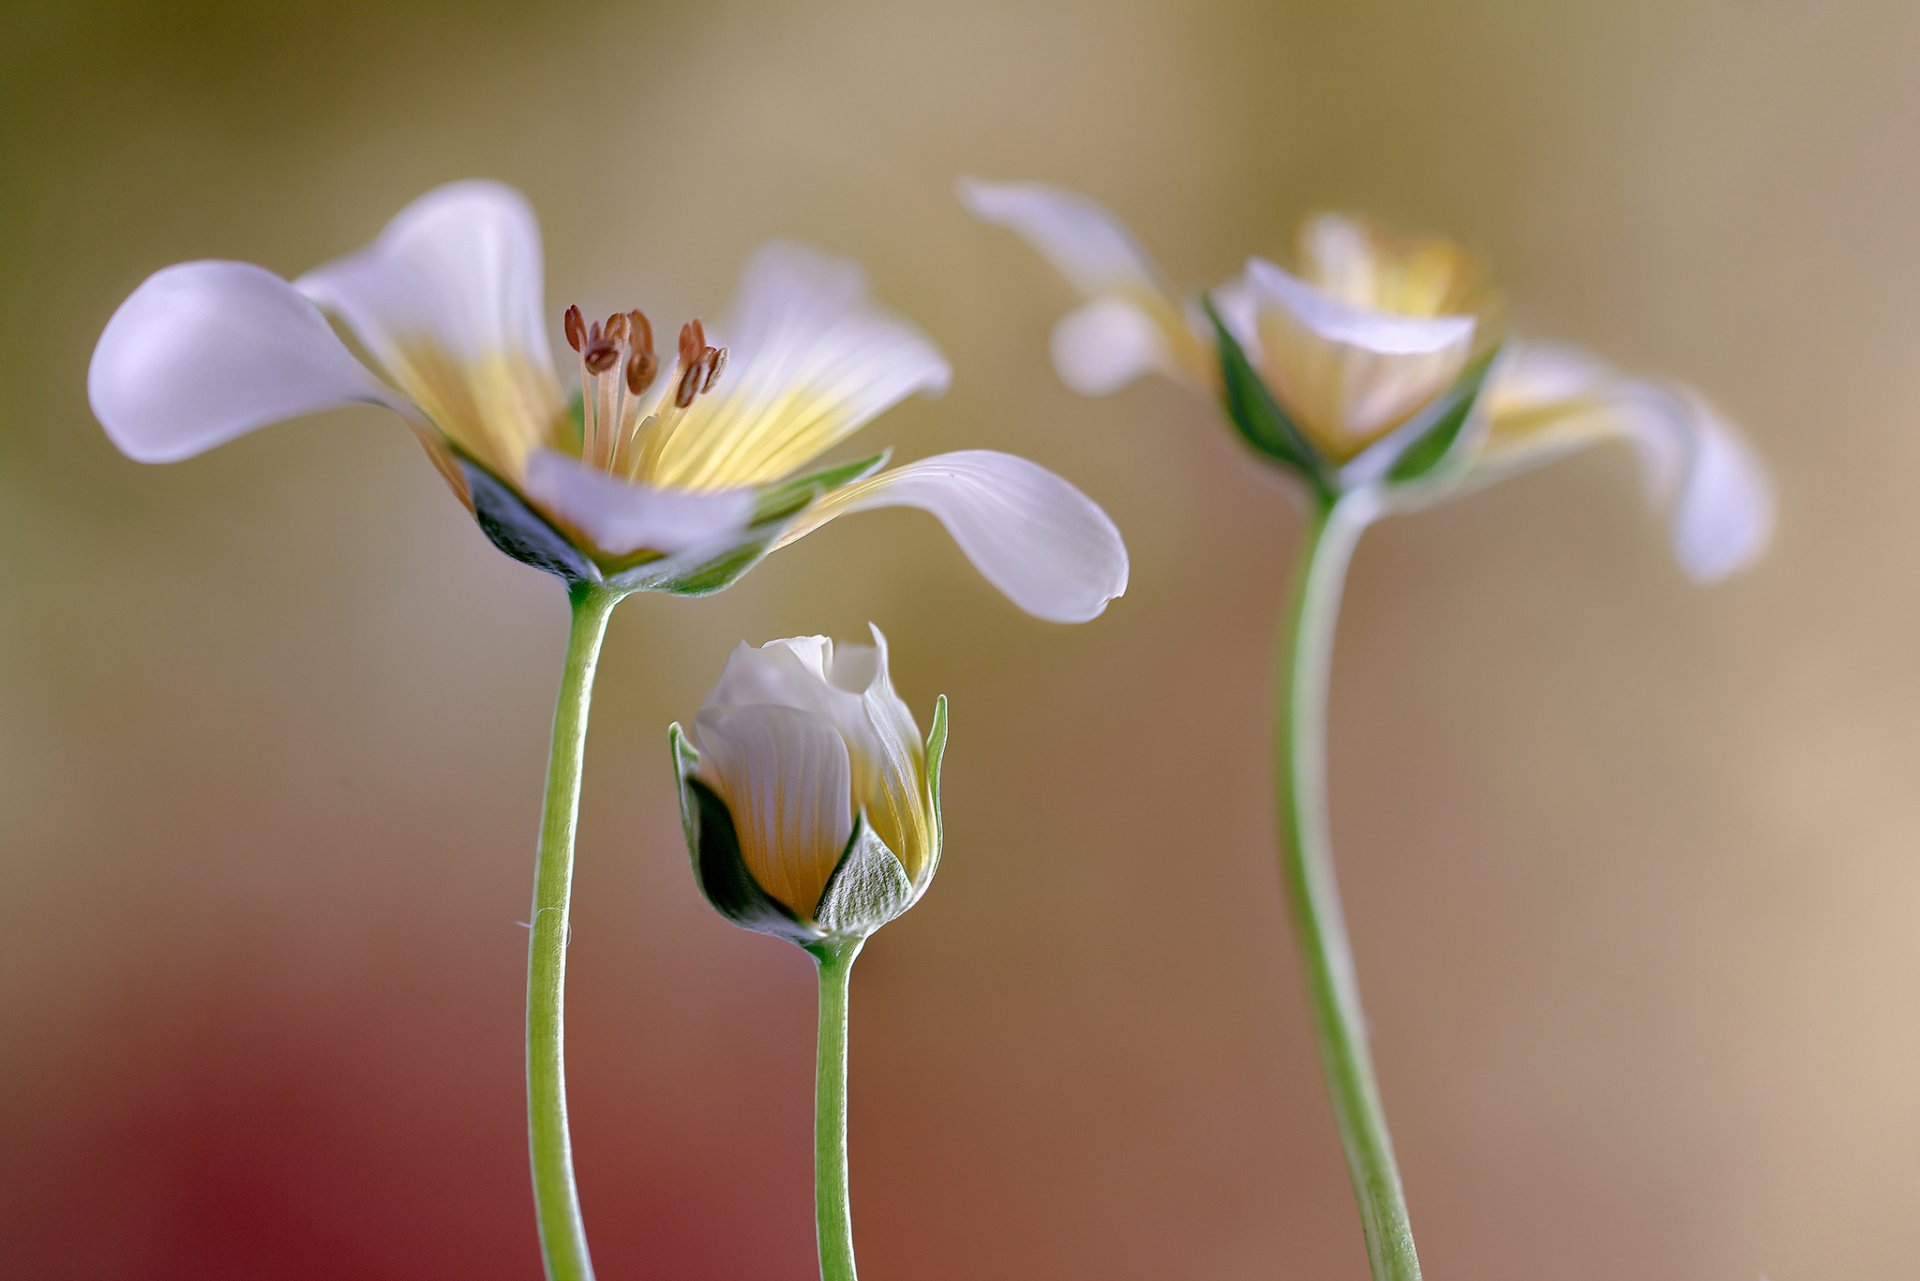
x=1375 y=360
x=675 y=473
x=812 y=805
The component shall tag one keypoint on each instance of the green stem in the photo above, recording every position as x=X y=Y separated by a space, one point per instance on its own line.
x=1305 y=660
x=563 y=1237
x=833 y=1215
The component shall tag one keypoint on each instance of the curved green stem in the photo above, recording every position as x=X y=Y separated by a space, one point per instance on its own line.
x=563 y=1237
x=833 y=1215
x=1305 y=660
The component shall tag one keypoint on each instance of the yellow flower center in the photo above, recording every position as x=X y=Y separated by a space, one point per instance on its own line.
x=624 y=431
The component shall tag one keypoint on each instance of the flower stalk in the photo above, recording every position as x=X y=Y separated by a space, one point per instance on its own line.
x=563 y=1236
x=833 y=1212
x=1304 y=666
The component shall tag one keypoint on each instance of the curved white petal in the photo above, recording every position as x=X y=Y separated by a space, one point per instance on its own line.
x=461 y=264
x=621 y=516
x=1101 y=346
x=449 y=300
x=849 y=686
x=1347 y=373
x=1718 y=498
x=785 y=777
x=811 y=360
x=1029 y=533
x=203 y=352
x=1337 y=321
x=1547 y=399
x=1086 y=243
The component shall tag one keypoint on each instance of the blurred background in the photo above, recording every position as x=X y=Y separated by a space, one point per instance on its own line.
x=1630 y=865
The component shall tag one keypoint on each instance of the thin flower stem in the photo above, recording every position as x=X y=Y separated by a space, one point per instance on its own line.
x=1305 y=660
x=563 y=1237
x=833 y=1215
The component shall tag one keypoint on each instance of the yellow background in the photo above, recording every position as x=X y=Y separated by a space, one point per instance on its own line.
x=1631 y=866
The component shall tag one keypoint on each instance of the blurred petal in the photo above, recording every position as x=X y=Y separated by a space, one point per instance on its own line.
x=811 y=360
x=1102 y=346
x=621 y=516
x=207 y=351
x=1364 y=264
x=449 y=300
x=1133 y=323
x=1029 y=533
x=1548 y=399
x=785 y=777
x=1350 y=374
x=1087 y=244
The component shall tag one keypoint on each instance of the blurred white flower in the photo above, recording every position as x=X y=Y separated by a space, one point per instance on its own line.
x=1378 y=362
x=812 y=804
x=672 y=474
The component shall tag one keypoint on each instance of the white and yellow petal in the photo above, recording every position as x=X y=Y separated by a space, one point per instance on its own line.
x=811 y=360
x=204 y=352
x=1047 y=546
x=620 y=517
x=1132 y=324
x=448 y=300
x=786 y=779
x=1547 y=400
x=1348 y=373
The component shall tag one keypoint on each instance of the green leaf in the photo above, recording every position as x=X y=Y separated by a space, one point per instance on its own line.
x=1444 y=423
x=518 y=530
x=1253 y=409
x=719 y=869
x=868 y=888
x=791 y=497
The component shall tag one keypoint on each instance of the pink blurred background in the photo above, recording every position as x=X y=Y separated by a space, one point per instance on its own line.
x=1630 y=865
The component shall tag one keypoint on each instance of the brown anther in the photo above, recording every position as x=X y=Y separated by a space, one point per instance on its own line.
x=617 y=325
x=693 y=341
x=642 y=330
x=601 y=356
x=690 y=376
x=576 y=327
x=642 y=366
x=716 y=360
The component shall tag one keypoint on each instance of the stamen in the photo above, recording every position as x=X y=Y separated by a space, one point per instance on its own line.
x=690 y=377
x=642 y=367
x=716 y=360
x=617 y=326
x=576 y=327
x=643 y=330
x=602 y=355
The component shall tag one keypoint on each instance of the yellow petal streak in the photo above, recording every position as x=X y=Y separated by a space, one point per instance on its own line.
x=498 y=408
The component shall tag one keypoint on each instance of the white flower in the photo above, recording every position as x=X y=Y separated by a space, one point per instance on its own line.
x=812 y=804
x=676 y=472
x=1370 y=343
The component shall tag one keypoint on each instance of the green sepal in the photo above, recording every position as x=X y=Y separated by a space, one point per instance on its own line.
x=719 y=869
x=793 y=496
x=1438 y=432
x=868 y=888
x=520 y=531
x=1252 y=408
x=936 y=753
x=701 y=572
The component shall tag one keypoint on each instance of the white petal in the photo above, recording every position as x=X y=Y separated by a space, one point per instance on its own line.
x=1341 y=322
x=1717 y=495
x=1547 y=399
x=847 y=685
x=622 y=516
x=206 y=351
x=811 y=360
x=1030 y=533
x=460 y=265
x=1089 y=245
x=785 y=777
x=1102 y=346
